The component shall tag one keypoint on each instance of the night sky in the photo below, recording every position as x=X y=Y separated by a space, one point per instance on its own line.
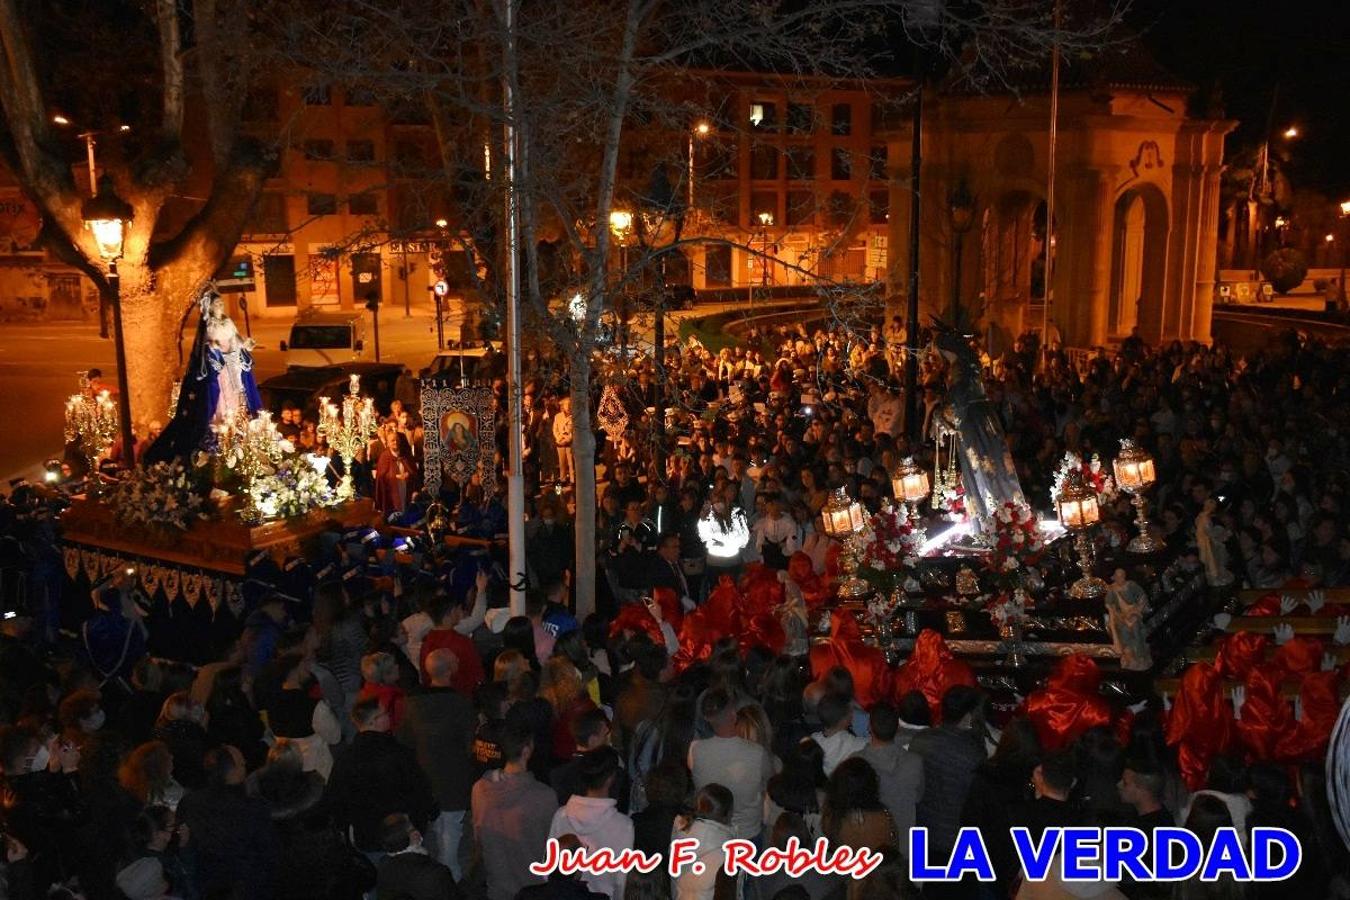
x=1247 y=47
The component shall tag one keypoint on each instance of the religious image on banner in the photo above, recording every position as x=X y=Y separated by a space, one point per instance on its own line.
x=460 y=434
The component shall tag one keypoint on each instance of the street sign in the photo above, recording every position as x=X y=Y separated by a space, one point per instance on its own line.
x=236 y=276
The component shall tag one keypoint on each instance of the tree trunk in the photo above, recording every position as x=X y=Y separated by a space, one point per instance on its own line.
x=152 y=307
x=583 y=460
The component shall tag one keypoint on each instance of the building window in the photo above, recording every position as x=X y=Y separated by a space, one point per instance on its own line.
x=717 y=265
x=260 y=105
x=879 y=203
x=841 y=164
x=801 y=207
x=801 y=118
x=318 y=95
x=763 y=116
x=361 y=151
x=801 y=163
x=764 y=162
x=363 y=205
x=360 y=97
x=321 y=204
x=841 y=119
x=878 y=162
x=318 y=150
x=269 y=216
x=279 y=280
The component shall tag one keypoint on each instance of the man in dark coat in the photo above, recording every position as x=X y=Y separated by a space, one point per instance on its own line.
x=560 y=886
x=408 y=872
x=376 y=776
x=438 y=724
x=235 y=841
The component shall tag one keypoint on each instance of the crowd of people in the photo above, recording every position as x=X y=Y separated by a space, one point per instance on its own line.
x=392 y=731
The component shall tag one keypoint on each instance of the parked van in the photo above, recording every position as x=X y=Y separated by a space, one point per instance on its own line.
x=326 y=339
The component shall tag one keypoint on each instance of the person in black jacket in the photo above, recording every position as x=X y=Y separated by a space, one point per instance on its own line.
x=376 y=776
x=232 y=832
x=408 y=872
x=438 y=724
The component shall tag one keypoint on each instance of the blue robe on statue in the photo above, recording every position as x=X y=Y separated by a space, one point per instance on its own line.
x=199 y=397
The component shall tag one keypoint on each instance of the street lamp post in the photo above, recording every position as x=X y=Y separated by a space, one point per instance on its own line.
x=621 y=225
x=700 y=129
x=961 y=214
x=765 y=223
x=106 y=215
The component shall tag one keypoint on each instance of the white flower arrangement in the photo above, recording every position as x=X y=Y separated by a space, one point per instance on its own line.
x=292 y=489
x=163 y=494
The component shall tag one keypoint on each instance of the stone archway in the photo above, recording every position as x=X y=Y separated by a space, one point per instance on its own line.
x=1138 y=263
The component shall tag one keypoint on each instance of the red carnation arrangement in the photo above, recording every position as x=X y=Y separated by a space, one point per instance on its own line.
x=1017 y=544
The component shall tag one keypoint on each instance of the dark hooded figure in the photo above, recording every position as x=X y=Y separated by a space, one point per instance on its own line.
x=986 y=464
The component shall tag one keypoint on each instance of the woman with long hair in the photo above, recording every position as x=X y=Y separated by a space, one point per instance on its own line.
x=560 y=685
x=147 y=774
x=854 y=815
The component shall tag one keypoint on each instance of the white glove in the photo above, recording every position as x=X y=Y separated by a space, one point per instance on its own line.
x=1283 y=634
x=1167 y=703
x=1222 y=621
x=1287 y=605
x=1239 y=696
x=1342 y=636
x=1316 y=600
x=1298 y=709
x=1139 y=707
x=1329 y=662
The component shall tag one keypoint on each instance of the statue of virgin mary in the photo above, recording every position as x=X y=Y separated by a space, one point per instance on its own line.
x=217 y=385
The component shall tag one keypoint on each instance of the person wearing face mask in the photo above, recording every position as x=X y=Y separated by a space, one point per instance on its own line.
x=43 y=810
x=80 y=716
x=549 y=543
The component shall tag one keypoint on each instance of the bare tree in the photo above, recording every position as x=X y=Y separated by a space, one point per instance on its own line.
x=180 y=74
x=592 y=81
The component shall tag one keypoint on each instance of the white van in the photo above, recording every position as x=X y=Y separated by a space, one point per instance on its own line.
x=326 y=339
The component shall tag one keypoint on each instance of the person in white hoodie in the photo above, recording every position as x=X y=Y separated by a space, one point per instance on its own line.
x=710 y=826
x=595 y=819
x=835 y=738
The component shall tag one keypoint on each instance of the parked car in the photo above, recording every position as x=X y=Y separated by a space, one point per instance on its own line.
x=326 y=339
x=464 y=364
x=303 y=386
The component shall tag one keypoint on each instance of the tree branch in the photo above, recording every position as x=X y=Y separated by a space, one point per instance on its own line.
x=170 y=51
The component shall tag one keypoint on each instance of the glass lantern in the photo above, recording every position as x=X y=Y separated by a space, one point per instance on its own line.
x=1078 y=512
x=1134 y=468
x=842 y=517
x=910 y=483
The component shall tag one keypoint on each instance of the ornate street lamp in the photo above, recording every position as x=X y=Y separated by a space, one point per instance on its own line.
x=910 y=483
x=106 y=216
x=845 y=520
x=1078 y=512
x=1135 y=474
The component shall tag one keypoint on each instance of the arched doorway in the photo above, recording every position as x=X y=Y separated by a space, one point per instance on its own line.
x=1138 y=262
